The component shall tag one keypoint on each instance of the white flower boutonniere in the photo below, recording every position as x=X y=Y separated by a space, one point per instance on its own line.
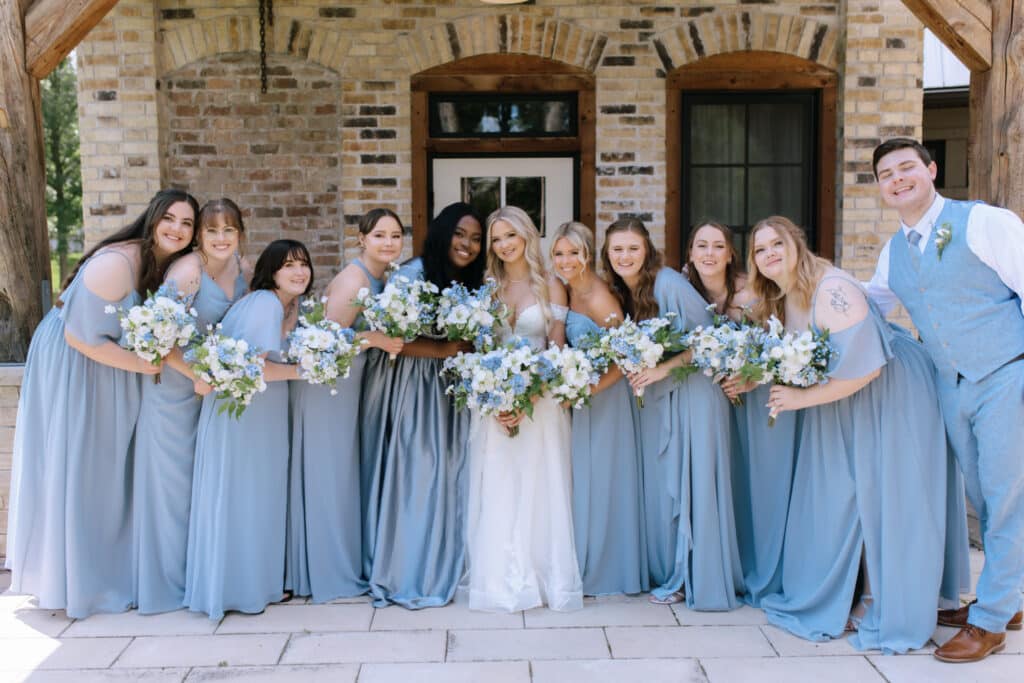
x=942 y=238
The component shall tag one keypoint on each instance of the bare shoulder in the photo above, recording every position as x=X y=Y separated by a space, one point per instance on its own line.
x=185 y=273
x=556 y=291
x=604 y=307
x=247 y=268
x=348 y=282
x=840 y=301
x=110 y=272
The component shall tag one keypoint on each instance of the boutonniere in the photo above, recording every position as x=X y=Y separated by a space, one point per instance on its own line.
x=943 y=235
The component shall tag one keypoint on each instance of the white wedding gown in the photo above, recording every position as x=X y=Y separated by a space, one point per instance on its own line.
x=520 y=549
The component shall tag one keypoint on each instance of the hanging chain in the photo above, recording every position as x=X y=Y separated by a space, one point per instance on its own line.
x=263 y=44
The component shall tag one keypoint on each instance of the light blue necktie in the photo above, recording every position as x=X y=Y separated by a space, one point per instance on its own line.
x=914 y=237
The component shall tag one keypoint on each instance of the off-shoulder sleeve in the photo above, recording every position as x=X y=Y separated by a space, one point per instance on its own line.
x=676 y=295
x=260 y=321
x=559 y=312
x=85 y=317
x=413 y=269
x=861 y=349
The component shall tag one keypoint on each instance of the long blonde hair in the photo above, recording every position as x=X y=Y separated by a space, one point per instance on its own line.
x=579 y=236
x=807 y=272
x=524 y=227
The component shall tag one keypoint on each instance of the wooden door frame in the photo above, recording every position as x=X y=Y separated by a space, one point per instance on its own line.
x=502 y=74
x=752 y=70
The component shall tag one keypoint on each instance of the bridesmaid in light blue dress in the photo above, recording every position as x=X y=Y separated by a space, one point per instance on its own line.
x=685 y=438
x=69 y=528
x=420 y=543
x=763 y=456
x=211 y=278
x=236 y=535
x=869 y=492
x=324 y=539
x=608 y=522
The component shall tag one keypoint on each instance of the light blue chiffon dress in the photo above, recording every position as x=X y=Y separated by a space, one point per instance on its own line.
x=762 y=478
x=69 y=533
x=871 y=477
x=420 y=539
x=607 y=494
x=325 y=539
x=236 y=535
x=165 y=446
x=374 y=432
x=687 y=446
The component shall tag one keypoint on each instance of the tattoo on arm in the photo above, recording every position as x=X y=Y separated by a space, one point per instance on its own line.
x=838 y=300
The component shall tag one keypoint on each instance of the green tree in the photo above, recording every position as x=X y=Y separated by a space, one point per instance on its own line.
x=63 y=164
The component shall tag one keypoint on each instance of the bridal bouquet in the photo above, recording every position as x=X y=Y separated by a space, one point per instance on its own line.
x=470 y=315
x=568 y=374
x=726 y=349
x=797 y=359
x=635 y=346
x=405 y=308
x=322 y=348
x=157 y=325
x=230 y=366
x=503 y=380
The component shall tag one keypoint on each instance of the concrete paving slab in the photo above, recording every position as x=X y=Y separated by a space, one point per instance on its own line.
x=23 y=654
x=99 y=676
x=178 y=623
x=453 y=616
x=788 y=645
x=688 y=641
x=742 y=616
x=619 y=610
x=619 y=670
x=534 y=644
x=301 y=619
x=173 y=651
x=33 y=623
x=340 y=648
x=1000 y=668
x=450 y=672
x=791 y=670
x=336 y=673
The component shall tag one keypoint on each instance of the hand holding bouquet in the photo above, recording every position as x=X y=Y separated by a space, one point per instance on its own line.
x=323 y=349
x=464 y=315
x=568 y=374
x=404 y=309
x=230 y=366
x=154 y=327
x=636 y=346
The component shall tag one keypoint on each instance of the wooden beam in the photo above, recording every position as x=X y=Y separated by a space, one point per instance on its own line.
x=996 y=148
x=54 y=27
x=24 y=248
x=964 y=26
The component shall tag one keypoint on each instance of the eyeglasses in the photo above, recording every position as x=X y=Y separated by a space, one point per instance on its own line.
x=225 y=231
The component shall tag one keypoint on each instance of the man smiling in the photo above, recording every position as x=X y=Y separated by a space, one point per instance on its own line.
x=958 y=267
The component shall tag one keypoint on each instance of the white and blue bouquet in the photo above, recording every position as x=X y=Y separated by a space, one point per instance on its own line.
x=726 y=349
x=405 y=308
x=230 y=366
x=797 y=359
x=568 y=374
x=322 y=348
x=636 y=346
x=154 y=327
x=502 y=380
x=470 y=315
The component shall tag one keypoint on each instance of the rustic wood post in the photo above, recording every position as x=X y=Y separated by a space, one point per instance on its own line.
x=24 y=246
x=996 y=147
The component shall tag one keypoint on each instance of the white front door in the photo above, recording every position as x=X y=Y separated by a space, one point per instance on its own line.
x=542 y=186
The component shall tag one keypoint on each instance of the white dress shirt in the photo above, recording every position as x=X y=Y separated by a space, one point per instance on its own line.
x=994 y=235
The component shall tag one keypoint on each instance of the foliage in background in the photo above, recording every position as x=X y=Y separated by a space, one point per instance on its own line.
x=63 y=165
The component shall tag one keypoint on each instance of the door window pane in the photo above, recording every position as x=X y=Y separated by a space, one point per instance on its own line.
x=714 y=192
x=499 y=115
x=777 y=133
x=776 y=191
x=716 y=134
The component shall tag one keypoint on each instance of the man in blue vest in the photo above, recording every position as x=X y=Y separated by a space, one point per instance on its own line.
x=958 y=268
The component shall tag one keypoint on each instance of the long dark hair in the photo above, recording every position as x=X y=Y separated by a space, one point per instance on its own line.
x=642 y=305
x=437 y=267
x=151 y=273
x=732 y=271
x=273 y=258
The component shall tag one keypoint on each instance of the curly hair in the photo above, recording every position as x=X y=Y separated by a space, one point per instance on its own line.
x=640 y=303
x=524 y=227
x=437 y=266
x=807 y=271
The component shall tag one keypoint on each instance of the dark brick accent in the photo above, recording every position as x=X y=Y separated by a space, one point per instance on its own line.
x=865 y=178
x=857 y=166
x=378 y=85
x=633 y=24
x=865 y=143
x=380 y=182
x=819 y=38
x=638 y=120
x=320 y=85
x=817 y=10
x=895 y=43
x=618 y=109
x=636 y=170
x=302 y=211
x=666 y=60
x=618 y=156
x=697 y=11
x=370 y=110
x=867 y=81
x=110 y=173
x=284 y=84
x=352 y=218
x=198 y=149
x=106 y=95
x=107 y=210
x=360 y=122
x=265 y=149
x=453 y=40
x=137 y=161
x=596 y=51
x=698 y=44
x=653 y=11
x=378 y=159
x=645 y=216
x=503 y=33
x=745 y=24
x=757 y=2
x=605 y=170
x=171 y=14
x=896 y=131
x=190 y=84
x=378 y=134
x=337 y=12
x=268 y=212
x=618 y=61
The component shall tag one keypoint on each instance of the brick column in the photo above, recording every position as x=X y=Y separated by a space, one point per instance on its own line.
x=118 y=118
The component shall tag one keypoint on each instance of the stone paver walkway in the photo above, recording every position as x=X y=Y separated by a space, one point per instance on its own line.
x=617 y=639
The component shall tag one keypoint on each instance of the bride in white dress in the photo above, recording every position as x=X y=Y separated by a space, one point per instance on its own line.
x=520 y=550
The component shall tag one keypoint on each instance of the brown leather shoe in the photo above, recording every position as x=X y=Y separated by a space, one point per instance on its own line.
x=957 y=618
x=971 y=644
